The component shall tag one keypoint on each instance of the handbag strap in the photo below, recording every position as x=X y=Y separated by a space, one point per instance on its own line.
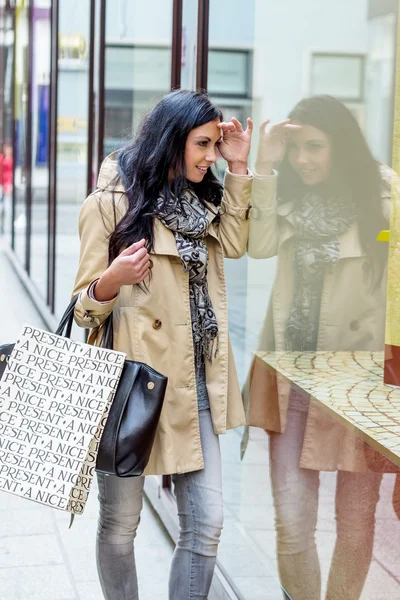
x=67 y=320
x=65 y=326
x=107 y=339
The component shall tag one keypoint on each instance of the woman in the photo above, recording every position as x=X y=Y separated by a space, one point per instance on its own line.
x=153 y=238
x=320 y=215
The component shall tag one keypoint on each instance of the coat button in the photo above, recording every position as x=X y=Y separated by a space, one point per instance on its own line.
x=354 y=325
x=157 y=324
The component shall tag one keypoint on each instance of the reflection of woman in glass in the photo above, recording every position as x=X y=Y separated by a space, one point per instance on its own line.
x=159 y=209
x=320 y=215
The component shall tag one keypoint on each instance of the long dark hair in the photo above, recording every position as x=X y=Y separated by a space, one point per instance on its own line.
x=355 y=172
x=153 y=164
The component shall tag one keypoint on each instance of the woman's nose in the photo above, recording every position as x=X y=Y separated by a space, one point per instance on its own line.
x=302 y=157
x=211 y=156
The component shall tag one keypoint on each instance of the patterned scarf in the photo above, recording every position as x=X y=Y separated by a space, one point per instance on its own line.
x=189 y=219
x=319 y=222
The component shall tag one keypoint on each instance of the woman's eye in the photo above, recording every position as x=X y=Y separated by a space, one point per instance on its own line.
x=315 y=147
x=203 y=144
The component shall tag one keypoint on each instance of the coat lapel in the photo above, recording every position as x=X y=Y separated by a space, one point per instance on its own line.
x=164 y=240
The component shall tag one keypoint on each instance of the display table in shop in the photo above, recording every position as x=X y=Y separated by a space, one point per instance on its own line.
x=350 y=385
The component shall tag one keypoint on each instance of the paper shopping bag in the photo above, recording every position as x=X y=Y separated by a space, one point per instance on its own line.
x=55 y=394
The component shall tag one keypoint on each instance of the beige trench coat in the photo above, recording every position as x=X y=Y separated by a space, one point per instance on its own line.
x=351 y=318
x=155 y=327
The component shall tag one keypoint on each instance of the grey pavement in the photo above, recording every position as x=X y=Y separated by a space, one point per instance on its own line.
x=40 y=558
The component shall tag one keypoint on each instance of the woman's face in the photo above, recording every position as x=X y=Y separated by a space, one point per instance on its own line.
x=201 y=150
x=310 y=153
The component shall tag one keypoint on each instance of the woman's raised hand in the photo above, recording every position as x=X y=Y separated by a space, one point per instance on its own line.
x=130 y=267
x=235 y=144
x=272 y=144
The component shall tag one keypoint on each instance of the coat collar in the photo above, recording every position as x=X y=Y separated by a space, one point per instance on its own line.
x=109 y=178
x=164 y=239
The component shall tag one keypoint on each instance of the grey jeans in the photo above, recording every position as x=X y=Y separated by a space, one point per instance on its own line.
x=199 y=500
x=295 y=494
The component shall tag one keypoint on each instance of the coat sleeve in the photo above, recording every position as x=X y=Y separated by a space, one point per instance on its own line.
x=96 y=222
x=232 y=229
x=263 y=234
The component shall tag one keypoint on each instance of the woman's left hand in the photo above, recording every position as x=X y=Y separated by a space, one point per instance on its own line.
x=235 y=145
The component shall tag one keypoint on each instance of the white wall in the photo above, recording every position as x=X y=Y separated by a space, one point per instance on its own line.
x=141 y=21
x=286 y=31
x=232 y=23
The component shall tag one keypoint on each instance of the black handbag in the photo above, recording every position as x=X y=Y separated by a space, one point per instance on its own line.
x=129 y=433
x=130 y=429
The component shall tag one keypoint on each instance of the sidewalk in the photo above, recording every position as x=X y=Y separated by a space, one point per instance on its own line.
x=40 y=558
